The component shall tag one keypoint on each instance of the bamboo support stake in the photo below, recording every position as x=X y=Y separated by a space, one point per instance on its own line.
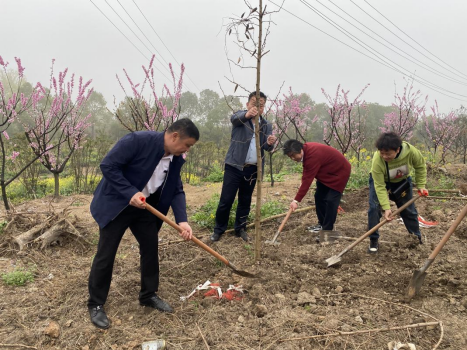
x=276 y=216
x=202 y=336
x=364 y=331
x=448 y=198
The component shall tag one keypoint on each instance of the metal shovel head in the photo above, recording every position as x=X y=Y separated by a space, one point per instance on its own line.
x=333 y=260
x=415 y=283
x=329 y=236
x=273 y=240
x=240 y=272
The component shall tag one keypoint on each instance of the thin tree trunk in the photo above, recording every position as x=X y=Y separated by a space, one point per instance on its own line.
x=2 y=179
x=4 y=197
x=57 y=185
x=259 y=180
x=270 y=169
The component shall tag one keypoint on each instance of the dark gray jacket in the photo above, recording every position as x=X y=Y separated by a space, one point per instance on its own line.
x=242 y=133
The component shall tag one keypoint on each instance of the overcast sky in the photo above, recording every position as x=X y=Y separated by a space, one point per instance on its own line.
x=79 y=37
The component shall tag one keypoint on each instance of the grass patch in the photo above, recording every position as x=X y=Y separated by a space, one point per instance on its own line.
x=206 y=215
x=19 y=276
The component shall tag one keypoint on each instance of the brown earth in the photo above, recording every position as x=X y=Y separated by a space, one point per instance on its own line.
x=295 y=296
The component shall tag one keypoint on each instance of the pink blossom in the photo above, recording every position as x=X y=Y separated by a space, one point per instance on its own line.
x=20 y=67
x=14 y=155
x=6 y=135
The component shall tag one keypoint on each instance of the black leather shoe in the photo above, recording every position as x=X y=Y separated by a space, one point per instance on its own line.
x=99 y=317
x=156 y=303
x=215 y=237
x=243 y=235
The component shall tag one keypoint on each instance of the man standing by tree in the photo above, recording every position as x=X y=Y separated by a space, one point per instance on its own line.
x=391 y=167
x=241 y=166
x=144 y=164
x=331 y=170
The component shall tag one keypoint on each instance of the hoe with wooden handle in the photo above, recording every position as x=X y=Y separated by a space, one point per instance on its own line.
x=336 y=258
x=198 y=242
x=273 y=241
x=419 y=275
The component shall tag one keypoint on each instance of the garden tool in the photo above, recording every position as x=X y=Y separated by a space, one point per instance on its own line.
x=336 y=258
x=273 y=241
x=419 y=275
x=326 y=236
x=198 y=242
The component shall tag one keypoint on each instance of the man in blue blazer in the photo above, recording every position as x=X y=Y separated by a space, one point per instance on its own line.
x=142 y=167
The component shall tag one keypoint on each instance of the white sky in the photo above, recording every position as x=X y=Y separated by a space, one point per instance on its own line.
x=79 y=37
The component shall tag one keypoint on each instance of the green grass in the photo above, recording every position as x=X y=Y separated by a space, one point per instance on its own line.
x=3 y=225
x=216 y=174
x=206 y=215
x=18 y=277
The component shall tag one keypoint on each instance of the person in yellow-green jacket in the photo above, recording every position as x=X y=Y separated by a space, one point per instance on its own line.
x=391 y=167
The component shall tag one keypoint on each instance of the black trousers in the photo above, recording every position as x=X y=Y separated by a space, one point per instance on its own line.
x=327 y=202
x=145 y=227
x=244 y=182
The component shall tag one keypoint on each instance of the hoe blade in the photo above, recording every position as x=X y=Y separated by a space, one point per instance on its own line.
x=415 y=283
x=333 y=260
x=327 y=236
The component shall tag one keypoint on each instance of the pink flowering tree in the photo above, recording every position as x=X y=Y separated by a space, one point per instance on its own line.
x=13 y=104
x=407 y=110
x=442 y=130
x=345 y=129
x=149 y=111
x=291 y=121
x=461 y=139
x=56 y=127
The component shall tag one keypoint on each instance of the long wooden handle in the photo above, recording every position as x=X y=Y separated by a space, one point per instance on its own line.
x=448 y=234
x=193 y=238
x=365 y=235
x=285 y=220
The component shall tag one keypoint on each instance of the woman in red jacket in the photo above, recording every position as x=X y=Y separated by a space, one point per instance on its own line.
x=331 y=170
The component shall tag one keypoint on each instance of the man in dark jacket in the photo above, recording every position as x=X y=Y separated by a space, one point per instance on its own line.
x=241 y=166
x=142 y=167
x=331 y=170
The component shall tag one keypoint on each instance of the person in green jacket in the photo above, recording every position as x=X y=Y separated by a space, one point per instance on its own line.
x=391 y=165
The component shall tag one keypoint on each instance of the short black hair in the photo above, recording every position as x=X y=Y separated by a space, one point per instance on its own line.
x=253 y=94
x=185 y=127
x=292 y=147
x=388 y=141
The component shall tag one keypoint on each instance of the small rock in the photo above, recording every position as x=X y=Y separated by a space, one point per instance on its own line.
x=331 y=323
x=68 y=323
x=359 y=319
x=118 y=322
x=316 y=292
x=339 y=289
x=130 y=318
x=52 y=330
x=279 y=296
x=454 y=282
x=260 y=310
x=241 y=319
x=305 y=298
x=438 y=215
x=452 y=301
x=388 y=272
x=346 y=328
x=86 y=347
